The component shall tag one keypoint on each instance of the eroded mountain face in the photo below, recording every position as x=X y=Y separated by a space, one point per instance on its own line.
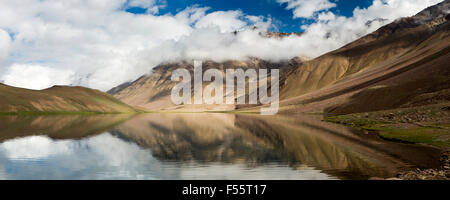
x=404 y=63
x=387 y=43
x=153 y=91
x=409 y=49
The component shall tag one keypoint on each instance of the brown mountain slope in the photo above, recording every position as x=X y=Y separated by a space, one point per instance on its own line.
x=378 y=48
x=58 y=99
x=367 y=75
x=385 y=68
x=153 y=91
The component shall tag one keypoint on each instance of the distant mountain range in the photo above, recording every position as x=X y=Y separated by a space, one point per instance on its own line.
x=153 y=91
x=403 y=63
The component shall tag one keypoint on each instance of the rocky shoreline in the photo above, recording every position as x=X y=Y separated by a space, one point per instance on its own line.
x=426 y=174
x=430 y=174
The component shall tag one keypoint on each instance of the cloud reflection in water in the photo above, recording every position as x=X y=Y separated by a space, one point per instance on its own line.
x=108 y=157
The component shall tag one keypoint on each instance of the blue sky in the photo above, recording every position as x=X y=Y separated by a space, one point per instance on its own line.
x=99 y=45
x=283 y=18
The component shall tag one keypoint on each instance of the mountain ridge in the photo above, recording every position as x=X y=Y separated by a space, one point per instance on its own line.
x=152 y=91
x=59 y=99
x=416 y=44
x=301 y=77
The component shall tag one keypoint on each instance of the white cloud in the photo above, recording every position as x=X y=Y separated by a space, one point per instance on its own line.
x=36 y=76
x=141 y=3
x=326 y=16
x=87 y=37
x=108 y=157
x=330 y=31
x=5 y=43
x=213 y=44
x=226 y=21
x=152 y=6
x=99 y=45
x=34 y=147
x=307 y=8
x=100 y=42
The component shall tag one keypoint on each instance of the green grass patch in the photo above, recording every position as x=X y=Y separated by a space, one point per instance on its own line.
x=426 y=135
x=436 y=135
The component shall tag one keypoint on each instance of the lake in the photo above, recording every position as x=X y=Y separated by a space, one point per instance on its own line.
x=198 y=146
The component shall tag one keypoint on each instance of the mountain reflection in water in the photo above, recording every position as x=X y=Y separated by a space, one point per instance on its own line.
x=197 y=146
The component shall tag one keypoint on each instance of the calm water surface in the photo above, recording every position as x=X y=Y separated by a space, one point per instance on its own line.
x=197 y=146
